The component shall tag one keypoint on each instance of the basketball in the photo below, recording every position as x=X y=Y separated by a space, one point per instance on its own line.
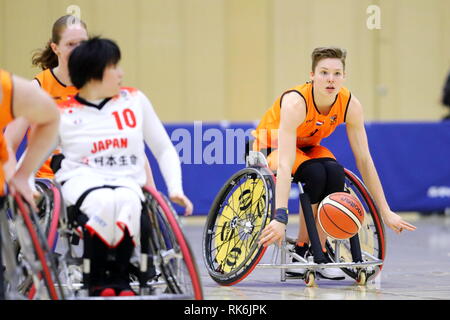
x=340 y=215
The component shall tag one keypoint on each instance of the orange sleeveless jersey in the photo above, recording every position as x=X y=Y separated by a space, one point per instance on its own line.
x=6 y=116
x=310 y=133
x=60 y=93
x=316 y=125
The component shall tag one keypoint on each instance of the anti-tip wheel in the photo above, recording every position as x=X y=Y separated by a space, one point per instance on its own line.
x=361 y=279
x=310 y=279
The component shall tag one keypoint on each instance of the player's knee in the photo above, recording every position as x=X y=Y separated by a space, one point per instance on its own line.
x=101 y=200
x=127 y=199
x=313 y=175
x=335 y=177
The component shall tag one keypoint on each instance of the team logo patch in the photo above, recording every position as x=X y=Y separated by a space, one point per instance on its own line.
x=333 y=119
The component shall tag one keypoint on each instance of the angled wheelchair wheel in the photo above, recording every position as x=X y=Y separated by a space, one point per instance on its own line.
x=239 y=213
x=50 y=208
x=172 y=253
x=38 y=269
x=52 y=218
x=371 y=236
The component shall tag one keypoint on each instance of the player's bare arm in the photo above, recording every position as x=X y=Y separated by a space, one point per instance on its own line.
x=14 y=134
x=358 y=141
x=38 y=108
x=293 y=113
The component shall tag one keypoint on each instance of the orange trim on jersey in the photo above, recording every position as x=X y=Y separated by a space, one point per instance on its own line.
x=54 y=87
x=129 y=89
x=71 y=102
x=314 y=128
x=310 y=133
x=121 y=225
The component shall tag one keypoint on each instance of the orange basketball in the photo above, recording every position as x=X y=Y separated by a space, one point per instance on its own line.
x=340 y=215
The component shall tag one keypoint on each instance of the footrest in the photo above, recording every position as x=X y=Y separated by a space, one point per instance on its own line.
x=314 y=266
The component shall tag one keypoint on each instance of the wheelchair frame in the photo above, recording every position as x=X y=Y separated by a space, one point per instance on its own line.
x=363 y=267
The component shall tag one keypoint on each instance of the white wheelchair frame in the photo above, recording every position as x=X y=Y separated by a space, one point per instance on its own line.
x=282 y=254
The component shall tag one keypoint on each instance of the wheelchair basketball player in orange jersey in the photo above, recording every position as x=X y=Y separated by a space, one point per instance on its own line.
x=290 y=132
x=67 y=33
x=54 y=79
x=18 y=98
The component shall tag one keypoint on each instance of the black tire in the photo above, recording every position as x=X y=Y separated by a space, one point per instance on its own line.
x=47 y=274
x=240 y=211
x=173 y=253
x=371 y=235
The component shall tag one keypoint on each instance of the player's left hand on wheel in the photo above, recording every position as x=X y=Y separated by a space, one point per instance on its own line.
x=273 y=232
x=396 y=223
x=19 y=184
x=183 y=201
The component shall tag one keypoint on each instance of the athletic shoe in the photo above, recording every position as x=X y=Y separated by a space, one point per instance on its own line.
x=75 y=274
x=331 y=273
x=302 y=251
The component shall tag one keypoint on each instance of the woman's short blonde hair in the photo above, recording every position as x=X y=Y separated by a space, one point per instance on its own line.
x=327 y=52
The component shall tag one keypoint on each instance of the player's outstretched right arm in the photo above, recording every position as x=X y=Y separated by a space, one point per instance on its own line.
x=292 y=114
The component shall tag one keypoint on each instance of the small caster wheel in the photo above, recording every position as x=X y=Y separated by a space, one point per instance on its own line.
x=310 y=278
x=361 y=279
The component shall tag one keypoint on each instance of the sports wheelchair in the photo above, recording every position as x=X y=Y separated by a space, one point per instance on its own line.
x=28 y=266
x=246 y=204
x=165 y=267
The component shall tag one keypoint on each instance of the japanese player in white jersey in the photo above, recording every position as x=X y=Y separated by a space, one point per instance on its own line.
x=102 y=133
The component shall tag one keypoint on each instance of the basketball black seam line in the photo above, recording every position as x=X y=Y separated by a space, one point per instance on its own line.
x=342 y=204
x=335 y=223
